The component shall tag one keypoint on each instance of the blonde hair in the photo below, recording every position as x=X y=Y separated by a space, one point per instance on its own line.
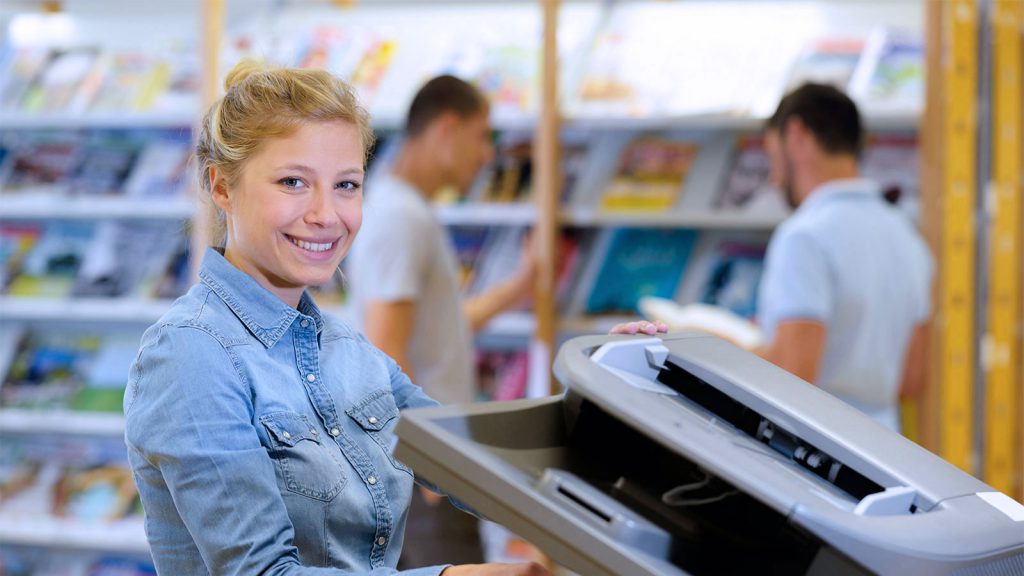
x=262 y=102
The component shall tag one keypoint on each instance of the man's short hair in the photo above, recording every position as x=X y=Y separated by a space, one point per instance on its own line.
x=441 y=95
x=829 y=114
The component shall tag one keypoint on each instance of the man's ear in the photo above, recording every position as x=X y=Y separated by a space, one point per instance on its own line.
x=219 y=189
x=798 y=137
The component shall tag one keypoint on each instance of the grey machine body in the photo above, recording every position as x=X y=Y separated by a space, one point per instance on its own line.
x=683 y=454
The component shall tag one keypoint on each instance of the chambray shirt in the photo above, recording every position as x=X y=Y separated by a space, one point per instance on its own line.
x=260 y=437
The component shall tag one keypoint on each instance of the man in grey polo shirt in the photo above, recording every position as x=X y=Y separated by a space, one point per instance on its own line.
x=845 y=290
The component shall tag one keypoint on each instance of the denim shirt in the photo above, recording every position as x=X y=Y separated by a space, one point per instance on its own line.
x=260 y=437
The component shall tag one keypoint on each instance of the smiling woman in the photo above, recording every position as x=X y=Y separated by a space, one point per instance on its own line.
x=290 y=223
x=258 y=429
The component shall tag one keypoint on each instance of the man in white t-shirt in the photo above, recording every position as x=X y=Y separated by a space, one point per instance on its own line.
x=403 y=276
x=845 y=291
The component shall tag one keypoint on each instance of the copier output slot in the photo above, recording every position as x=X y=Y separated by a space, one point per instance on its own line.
x=760 y=428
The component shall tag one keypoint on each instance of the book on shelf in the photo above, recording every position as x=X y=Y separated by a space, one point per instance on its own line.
x=51 y=266
x=725 y=271
x=632 y=263
x=79 y=484
x=32 y=561
x=41 y=163
x=69 y=370
x=468 y=242
x=19 y=66
x=498 y=259
x=54 y=86
x=747 y=188
x=137 y=163
x=502 y=374
x=107 y=258
x=891 y=79
x=829 y=60
x=16 y=241
x=649 y=175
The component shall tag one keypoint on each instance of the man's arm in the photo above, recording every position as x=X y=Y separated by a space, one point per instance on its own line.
x=389 y=327
x=915 y=365
x=481 y=308
x=797 y=347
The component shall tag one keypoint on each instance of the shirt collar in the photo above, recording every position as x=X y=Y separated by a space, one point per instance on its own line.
x=264 y=314
x=840 y=188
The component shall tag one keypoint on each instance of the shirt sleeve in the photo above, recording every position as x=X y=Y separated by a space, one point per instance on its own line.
x=189 y=431
x=393 y=255
x=797 y=280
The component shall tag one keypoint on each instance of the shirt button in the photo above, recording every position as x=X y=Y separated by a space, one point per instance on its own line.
x=372 y=480
x=381 y=541
x=335 y=431
x=313 y=431
x=373 y=420
x=311 y=377
x=304 y=323
x=287 y=435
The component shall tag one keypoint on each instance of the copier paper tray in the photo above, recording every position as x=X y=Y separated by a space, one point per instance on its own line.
x=683 y=454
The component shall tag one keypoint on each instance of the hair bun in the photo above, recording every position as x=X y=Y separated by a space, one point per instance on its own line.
x=245 y=68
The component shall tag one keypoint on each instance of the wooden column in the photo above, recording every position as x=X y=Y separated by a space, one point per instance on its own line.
x=1002 y=458
x=211 y=23
x=930 y=138
x=545 y=190
x=956 y=277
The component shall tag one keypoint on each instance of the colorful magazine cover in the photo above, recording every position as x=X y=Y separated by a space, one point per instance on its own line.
x=639 y=262
x=649 y=176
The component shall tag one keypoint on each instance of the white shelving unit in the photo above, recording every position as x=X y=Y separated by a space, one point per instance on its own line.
x=421 y=53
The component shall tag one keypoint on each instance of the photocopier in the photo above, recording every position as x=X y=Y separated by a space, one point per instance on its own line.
x=684 y=454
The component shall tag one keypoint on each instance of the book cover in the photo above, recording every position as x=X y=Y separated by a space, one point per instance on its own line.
x=106 y=160
x=827 y=61
x=892 y=78
x=43 y=163
x=56 y=84
x=734 y=276
x=502 y=374
x=747 y=187
x=468 y=242
x=21 y=66
x=51 y=266
x=161 y=167
x=94 y=494
x=639 y=262
x=16 y=241
x=649 y=176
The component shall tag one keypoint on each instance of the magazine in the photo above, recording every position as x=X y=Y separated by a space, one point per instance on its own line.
x=649 y=176
x=638 y=262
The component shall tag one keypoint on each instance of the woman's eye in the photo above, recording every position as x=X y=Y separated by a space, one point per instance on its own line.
x=347 y=185
x=290 y=182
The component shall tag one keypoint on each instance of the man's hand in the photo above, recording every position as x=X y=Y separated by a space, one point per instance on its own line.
x=640 y=327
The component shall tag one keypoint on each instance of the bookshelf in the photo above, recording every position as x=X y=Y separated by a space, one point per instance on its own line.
x=563 y=74
x=96 y=110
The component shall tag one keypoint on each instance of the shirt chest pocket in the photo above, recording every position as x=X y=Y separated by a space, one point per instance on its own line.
x=308 y=466
x=377 y=414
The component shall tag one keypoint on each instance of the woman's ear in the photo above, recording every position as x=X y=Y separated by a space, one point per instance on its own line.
x=219 y=189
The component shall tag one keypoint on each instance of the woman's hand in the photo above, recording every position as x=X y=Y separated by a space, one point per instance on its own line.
x=523 y=569
x=640 y=327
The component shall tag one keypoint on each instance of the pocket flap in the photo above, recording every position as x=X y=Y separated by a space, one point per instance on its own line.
x=287 y=428
x=375 y=410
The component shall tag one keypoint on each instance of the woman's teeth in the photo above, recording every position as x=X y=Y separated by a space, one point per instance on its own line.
x=312 y=246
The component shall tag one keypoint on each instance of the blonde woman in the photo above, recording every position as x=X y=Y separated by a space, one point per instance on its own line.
x=260 y=430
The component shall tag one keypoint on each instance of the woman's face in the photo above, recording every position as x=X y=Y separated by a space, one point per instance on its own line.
x=296 y=207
